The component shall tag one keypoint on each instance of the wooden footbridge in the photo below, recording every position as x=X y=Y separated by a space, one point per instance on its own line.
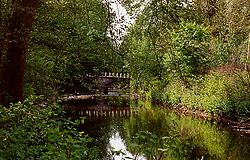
x=110 y=75
x=87 y=105
x=106 y=80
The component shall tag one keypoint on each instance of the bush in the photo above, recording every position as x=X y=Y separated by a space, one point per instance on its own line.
x=28 y=131
x=222 y=94
x=239 y=94
x=189 y=53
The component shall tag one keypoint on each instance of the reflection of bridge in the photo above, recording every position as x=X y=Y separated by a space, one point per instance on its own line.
x=101 y=111
x=118 y=112
x=106 y=79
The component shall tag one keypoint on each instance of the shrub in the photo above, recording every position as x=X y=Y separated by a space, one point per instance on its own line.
x=189 y=51
x=28 y=131
x=224 y=94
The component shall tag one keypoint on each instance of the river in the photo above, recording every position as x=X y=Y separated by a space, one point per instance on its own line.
x=144 y=131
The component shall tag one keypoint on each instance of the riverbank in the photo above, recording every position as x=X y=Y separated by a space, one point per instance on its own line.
x=211 y=98
x=239 y=125
x=223 y=94
x=235 y=123
x=156 y=130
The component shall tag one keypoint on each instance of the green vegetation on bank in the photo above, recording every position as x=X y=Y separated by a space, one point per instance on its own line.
x=193 y=55
x=33 y=131
x=221 y=94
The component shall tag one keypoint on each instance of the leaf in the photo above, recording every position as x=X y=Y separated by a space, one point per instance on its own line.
x=134 y=145
x=163 y=149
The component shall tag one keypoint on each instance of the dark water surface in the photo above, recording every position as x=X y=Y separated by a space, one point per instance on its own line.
x=140 y=130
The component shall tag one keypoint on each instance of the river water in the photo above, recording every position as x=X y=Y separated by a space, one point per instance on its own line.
x=142 y=131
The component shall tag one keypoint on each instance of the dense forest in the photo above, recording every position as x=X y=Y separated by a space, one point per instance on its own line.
x=193 y=54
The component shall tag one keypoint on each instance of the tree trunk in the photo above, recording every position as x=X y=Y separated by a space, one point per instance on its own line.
x=18 y=29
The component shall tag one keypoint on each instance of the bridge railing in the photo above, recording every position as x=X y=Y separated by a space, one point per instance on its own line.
x=111 y=75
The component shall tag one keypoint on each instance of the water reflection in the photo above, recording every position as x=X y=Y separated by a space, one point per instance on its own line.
x=158 y=133
x=117 y=144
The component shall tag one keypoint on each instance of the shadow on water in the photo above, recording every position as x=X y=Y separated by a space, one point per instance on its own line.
x=125 y=129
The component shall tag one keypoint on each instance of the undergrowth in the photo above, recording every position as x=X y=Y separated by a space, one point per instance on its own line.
x=215 y=93
x=29 y=131
x=222 y=94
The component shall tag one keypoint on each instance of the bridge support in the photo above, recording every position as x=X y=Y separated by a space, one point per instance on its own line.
x=105 y=90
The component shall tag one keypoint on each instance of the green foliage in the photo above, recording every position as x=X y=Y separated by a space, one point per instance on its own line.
x=116 y=101
x=183 y=79
x=159 y=134
x=188 y=54
x=148 y=143
x=29 y=131
x=69 y=40
x=215 y=93
x=4 y=11
x=155 y=147
x=238 y=92
x=177 y=43
x=145 y=64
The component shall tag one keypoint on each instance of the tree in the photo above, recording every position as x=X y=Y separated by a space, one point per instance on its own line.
x=69 y=40
x=14 y=44
x=229 y=23
x=148 y=40
x=188 y=55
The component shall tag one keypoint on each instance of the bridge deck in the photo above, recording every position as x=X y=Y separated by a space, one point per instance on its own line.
x=91 y=96
x=111 y=75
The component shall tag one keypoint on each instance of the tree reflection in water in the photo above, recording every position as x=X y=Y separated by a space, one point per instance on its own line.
x=159 y=133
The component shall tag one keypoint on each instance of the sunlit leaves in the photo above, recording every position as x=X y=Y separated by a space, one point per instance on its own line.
x=189 y=53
